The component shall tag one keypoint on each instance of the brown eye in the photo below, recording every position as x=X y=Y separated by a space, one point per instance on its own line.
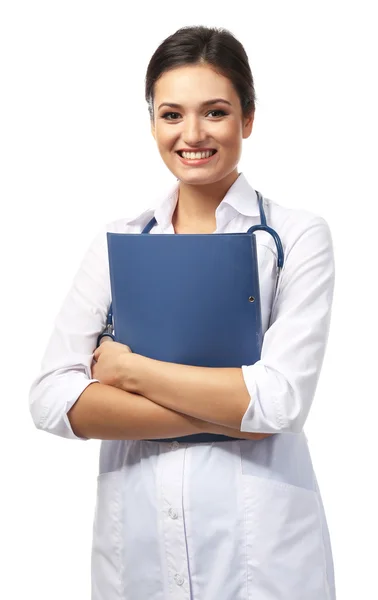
x=219 y=111
x=169 y=113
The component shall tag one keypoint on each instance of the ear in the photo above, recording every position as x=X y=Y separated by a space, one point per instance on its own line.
x=247 y=125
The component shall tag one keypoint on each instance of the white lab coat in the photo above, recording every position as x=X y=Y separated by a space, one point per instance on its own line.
x=231 y=520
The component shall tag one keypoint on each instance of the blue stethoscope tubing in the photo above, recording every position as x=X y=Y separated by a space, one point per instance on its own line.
x=108 y=330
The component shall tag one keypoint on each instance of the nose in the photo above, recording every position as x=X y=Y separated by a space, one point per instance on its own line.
x=193 y=132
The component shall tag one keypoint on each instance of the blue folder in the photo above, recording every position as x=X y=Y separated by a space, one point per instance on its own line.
x=192 y=299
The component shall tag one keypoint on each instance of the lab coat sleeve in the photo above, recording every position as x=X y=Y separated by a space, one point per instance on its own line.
x=283 y=382
x=66 y=365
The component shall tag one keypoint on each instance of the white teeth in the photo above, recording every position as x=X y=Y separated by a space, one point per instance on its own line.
x=197 y=155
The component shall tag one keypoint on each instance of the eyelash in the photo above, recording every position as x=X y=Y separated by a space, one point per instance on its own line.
x=175 y=113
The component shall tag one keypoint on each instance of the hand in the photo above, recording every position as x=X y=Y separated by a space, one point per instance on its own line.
x=108 y=362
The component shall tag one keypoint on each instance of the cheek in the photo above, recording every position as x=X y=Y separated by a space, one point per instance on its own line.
x=224 y=134
x=231 y=135
x=164 y=139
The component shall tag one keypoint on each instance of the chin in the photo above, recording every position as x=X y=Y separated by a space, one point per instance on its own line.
x=198 y=179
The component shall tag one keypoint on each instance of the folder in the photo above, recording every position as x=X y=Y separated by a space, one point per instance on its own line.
x=189 y=299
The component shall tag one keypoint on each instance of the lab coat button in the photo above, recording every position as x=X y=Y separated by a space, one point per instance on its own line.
x=174 y=445
x=172 y=513
x=178 y=579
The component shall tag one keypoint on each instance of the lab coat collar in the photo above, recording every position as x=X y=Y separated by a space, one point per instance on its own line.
x=241 y=197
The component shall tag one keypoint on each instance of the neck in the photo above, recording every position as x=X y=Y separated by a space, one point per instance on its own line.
x=196 y=204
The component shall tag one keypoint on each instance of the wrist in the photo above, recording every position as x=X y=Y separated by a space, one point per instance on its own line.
x=132 y=370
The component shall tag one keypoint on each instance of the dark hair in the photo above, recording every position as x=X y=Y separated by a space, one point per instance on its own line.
x=214 y=46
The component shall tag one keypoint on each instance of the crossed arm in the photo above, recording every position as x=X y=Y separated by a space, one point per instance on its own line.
x=145 y=396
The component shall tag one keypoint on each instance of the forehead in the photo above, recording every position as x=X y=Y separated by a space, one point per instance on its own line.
x=196 y=83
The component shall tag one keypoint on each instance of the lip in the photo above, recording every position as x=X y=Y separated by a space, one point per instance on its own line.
x=194 y=149
x=196 y=161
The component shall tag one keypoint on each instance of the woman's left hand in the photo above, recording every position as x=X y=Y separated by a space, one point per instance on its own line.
x=110 y=363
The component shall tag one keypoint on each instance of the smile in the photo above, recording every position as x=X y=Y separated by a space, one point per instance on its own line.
x=196 y=158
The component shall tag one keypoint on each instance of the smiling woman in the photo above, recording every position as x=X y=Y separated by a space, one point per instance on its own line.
x=219 y=520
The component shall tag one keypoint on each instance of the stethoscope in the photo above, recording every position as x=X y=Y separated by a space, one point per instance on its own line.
x=108 y=329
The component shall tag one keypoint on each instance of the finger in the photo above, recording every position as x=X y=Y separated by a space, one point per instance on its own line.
x=98 y=350
x=106 y=338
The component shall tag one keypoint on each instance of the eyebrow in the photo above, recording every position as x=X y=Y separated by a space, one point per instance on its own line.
x=206 y=103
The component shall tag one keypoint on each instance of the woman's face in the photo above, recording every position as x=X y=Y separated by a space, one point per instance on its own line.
x=192 y=124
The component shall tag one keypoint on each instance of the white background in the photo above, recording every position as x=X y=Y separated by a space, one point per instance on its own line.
x=76 y=152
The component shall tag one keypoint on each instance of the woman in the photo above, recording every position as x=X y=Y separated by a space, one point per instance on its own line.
x=216 y=521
